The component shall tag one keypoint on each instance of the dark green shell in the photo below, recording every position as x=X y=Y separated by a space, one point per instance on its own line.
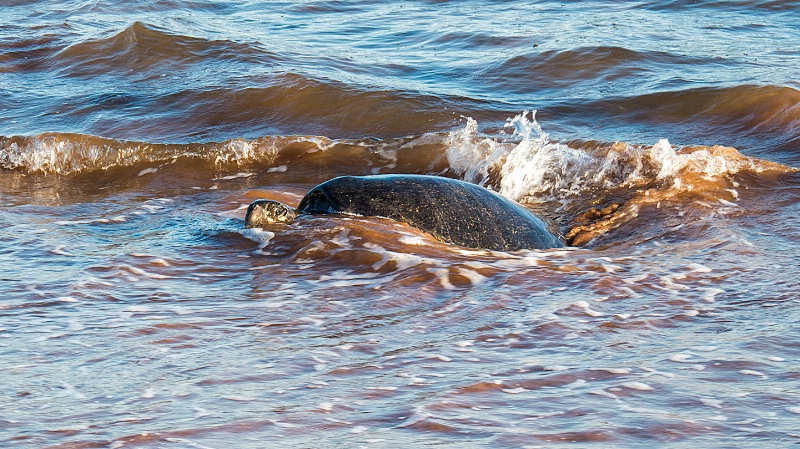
x=453 y=211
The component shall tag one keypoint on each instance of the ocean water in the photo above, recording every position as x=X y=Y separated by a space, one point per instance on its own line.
x=662 y=138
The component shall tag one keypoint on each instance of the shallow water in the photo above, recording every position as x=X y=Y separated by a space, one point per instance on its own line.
x=136 y=312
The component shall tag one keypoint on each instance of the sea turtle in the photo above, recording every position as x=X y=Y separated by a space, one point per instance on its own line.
x=453 y=211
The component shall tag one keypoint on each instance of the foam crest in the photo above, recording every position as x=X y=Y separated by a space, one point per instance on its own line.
x=528 y=166
x=66 y=154
x=535 y=161
x=264 y=149
x=470 y=157
x=402 y=261
x=621 y=178
x=259 y=236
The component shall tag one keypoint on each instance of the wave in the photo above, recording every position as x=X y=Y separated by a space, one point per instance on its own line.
x=588 y=187
x=27 y=53
x=764 y=120
x=150 y=83
x=287 y=104
x=142 y=51
x=522 y=147
x=540 y=71
x=137 y=53
x=317 y=7
x=69 y=154
x=763 y=109
x=594 y=187
x=299 y=105
x=176 y=88
x=533 y=165
x=496 y=159
x=741 y=5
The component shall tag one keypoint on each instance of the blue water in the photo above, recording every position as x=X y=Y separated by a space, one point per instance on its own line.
x=137 y=312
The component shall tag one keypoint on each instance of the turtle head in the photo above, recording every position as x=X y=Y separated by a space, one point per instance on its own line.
x=266 y=212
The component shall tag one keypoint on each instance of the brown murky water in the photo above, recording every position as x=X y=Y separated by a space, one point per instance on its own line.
x=136 y=312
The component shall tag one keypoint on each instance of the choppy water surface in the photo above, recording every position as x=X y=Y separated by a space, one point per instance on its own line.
x=136 y=312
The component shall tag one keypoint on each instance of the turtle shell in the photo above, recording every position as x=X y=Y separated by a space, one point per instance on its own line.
x=453 y=211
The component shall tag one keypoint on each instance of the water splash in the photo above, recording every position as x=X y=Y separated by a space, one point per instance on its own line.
x=598 y=186
x=530 y=167
x=65 y=154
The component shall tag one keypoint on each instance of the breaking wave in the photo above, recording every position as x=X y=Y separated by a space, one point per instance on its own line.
x=598 y=186
x=66 y=154
x=589 y=187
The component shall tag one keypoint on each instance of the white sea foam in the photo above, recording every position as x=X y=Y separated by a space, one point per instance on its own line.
x=59 y=250
x=258 y=235
x=533 y=165
x=73 y=153
x=580 y=383
x=148 y=171
x=345 y=278
x=604 y=393
x=517 y=390
x=412 y=240
x=749 y=372
x=440 y=357
x=236 y=176
x=681 y=358
x=443 y=275
x=635 y=385
x=613 y=370
x=140 y=272
x=529 y=167
x=160 y=261
x=587 y=310
x=698 y=268
x=79 y=222
x=474 y=277
x=710 y=293
x=403 y=261
x=709 y=402
x=705 y=348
